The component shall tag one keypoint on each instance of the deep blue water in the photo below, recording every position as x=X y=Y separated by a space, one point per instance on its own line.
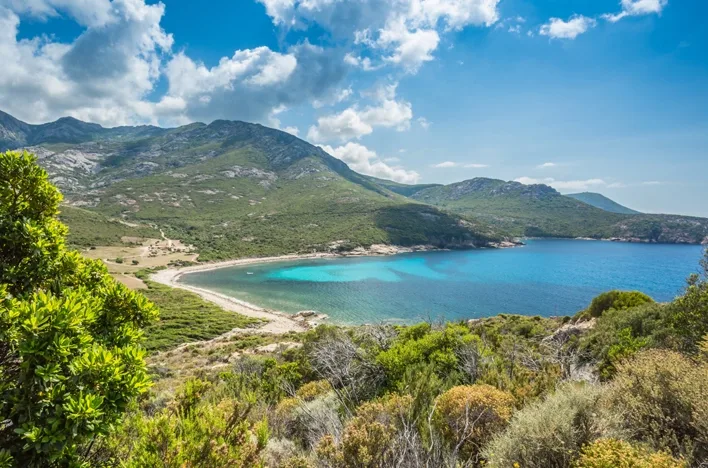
x=545 y=277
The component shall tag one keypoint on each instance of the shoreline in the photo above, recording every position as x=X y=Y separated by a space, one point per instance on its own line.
x=278 y=322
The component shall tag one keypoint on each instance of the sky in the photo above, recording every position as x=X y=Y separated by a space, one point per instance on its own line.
x=609 y=96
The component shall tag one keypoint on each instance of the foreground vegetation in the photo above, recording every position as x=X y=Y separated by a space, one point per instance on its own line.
x=622 y=384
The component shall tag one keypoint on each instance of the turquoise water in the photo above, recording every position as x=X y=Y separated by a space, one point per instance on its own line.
x=545 y=277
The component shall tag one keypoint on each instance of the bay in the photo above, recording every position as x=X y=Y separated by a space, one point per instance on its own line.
x=544 y=277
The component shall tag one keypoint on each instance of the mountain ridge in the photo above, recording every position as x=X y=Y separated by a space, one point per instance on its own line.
x=235 y=188
x=599 y=200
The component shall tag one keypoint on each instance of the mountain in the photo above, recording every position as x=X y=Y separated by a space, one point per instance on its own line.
x=401 y=189
x=598 y=200
x=540 y=211
x=232 y=189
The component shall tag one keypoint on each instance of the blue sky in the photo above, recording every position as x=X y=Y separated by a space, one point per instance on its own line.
x=599 y=95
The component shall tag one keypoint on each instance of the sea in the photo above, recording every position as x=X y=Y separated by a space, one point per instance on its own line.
x=544 y=277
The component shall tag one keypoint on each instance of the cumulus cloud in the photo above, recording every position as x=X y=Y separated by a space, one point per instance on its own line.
x=637 y=8
x=103 y=76
x=556 y=28
x=356 y=122
x=108 y=74
x=424 y=123
x=564 y=184
x=402 y=32
x=365 y=161
x=546 y=165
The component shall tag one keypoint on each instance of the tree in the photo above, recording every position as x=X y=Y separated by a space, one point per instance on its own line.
x=688 y=314
x=70 y=361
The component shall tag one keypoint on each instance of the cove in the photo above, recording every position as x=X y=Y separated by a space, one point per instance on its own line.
x=544 y=277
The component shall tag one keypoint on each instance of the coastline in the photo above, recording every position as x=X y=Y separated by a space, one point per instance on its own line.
x=278 y=322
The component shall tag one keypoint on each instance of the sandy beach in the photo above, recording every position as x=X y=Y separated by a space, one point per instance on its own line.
x=278 y=322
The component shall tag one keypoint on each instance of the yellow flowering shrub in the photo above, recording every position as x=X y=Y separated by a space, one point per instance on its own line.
x=468 y=415
x=613 y=453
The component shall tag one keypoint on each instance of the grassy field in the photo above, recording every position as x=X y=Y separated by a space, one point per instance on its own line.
x=185 y=317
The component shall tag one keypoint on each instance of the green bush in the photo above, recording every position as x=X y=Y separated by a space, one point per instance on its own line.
x=69 y=357
x=661 y=396
x=119 y=260
x=618 y=334
x=688 y=314
x=618 y=300
x=613 y=453
x=551 y=432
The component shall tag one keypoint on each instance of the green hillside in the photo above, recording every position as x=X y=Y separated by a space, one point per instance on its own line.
x=88 y=228
x=540 y=211
x=600 y=201
x=235 y=189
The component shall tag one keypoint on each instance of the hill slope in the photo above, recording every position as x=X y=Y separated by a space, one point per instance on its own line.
x=598 y=200
x=540 y=211
x=234 y=189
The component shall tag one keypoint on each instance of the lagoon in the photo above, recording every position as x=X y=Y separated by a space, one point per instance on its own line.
x=544 y=277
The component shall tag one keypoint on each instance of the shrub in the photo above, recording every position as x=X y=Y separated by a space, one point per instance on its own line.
x=469 y=415
x=688 y=314
x=662 y=398
x=619 y=334
x=312 y=390
x=551 y=432
x=119 y=260
x=613 y=453
x=217 y=435
x=313 y=420
x=618 y=300
x=135 y=262
x=369 y=439
x=69 y=357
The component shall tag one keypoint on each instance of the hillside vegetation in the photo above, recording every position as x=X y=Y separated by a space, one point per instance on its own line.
x=234 y=189
x=540 y=211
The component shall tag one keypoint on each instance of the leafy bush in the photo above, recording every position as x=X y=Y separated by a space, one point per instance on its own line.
x=551 y=432
x=618 y=334
x=613 y=453
x=69 y=357
x=119 y=260
x=618 y=300
x=661 y=396
x=312 y=390
x=217 y=435
x=469 y=415
x=369 y=439
x=688 y=314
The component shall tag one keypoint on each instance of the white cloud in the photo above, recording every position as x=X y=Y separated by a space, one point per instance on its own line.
x=400 y=32
x=556 y=28
x=516 y=29
x=103 y=76
x=444 y=165
x=563 y=184
x=85 y=12
x=637 y=8
x=108 y=74
x=366 y=161
x=333 y=98
x=546 y=165
x=652 y=182
x=392 y=160
x=448 y=164
x=355 y=122
x=424 y=123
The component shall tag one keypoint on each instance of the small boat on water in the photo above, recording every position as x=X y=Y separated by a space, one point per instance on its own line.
x=249 y=272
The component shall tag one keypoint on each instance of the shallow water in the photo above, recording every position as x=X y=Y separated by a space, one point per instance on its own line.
x=545 y=277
